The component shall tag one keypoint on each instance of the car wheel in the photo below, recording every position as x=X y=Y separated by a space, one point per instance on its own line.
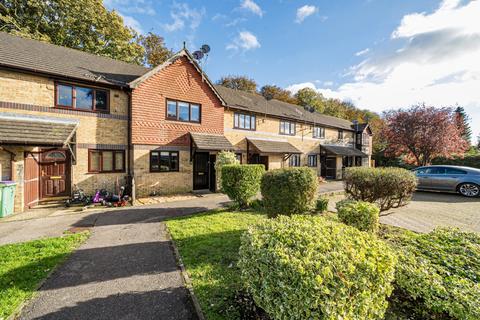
x=469 y=189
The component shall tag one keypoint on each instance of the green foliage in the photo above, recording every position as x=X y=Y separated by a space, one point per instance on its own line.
x=388 y=187
x=462 y=119
x=224 y=158
x=289 y=191
x=242 y=83
x=470 y=159
x=241 y=182
x=321 y=205
x=310 y=97
x=307 y=267
x=439 y=273
x=359 y=214
x=24 y=265
x=80 y=24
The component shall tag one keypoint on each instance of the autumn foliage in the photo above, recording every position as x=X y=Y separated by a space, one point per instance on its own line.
x=423 y=133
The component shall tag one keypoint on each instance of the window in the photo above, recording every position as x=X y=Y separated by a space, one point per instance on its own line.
x=454 y=171
x=287 y=127
x=340 y=134
x=183 y=111
x=55 y=156
x=244 y=121
x=319 y=132
x=106 y=161
x=435 y=170
x=81 y=98
x=164 y=161
x=239 y=157
x=312 y=160
x=294 y=160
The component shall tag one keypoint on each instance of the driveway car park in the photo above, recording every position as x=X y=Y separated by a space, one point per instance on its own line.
x=464 y=180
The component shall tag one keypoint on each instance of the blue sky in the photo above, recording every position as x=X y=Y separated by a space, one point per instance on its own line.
x=377 y=54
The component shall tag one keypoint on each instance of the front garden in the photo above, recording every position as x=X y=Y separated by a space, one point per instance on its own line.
x=284 y=257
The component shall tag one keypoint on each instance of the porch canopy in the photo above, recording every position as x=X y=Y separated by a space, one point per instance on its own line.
x=17 y=129
x=343 y=151
x=272 y=146
x=214 y=142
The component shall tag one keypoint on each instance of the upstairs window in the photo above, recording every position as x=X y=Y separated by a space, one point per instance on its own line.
x=340 y=134
x=294 y=160
x=287 y=127
x=81 y=98
x=244 y=121
x=183 y=111
x=319 y=132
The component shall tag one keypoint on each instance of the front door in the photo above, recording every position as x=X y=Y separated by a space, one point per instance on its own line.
x=201 y=171
x=331 y=168
x=54 y=173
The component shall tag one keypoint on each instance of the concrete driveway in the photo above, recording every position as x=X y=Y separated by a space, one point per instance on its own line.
x=429 y=210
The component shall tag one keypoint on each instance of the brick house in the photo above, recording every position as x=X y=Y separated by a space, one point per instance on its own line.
x=69 y=118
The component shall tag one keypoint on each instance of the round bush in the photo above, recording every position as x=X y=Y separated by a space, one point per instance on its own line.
x=388 y=187
x=241 y=182
x=289 y=191
x=306 y=267
x=359 y=214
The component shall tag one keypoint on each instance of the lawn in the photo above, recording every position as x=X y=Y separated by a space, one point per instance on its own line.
x=208 y=244
x=24 y=265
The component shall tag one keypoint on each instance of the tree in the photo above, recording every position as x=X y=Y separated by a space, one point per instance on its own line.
x=275 y=92
x=242 y=83
x=155 y=51
x=462 y=118
x=80 y=24
x=310 y=97
x=423 y=133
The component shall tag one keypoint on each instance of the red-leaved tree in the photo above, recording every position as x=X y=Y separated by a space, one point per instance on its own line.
x=422 y=133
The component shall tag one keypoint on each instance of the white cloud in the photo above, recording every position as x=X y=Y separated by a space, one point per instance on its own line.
x=251 y=6
x=183 y=15
x=362 y=52
x=304 y=12
x=131 y=6
x=132 y=23
x=244 y=41
x=436 y=61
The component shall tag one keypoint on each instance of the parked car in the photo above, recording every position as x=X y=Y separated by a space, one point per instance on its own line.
x=464 y=180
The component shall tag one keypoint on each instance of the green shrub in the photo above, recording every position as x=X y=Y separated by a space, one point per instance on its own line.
x=439 y=274
x=241 y=182
x=388 y=187
x=289 y=191
x=359 y=214
x=224 y=158
x=322 y=205
x=307 y=267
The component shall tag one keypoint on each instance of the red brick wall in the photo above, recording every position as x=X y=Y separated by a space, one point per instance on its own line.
x=178 y=81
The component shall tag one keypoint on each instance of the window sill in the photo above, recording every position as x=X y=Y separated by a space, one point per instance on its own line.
x=184 y=122
x=81 y=110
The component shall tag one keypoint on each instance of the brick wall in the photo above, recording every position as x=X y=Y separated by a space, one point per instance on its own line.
x=178 y=81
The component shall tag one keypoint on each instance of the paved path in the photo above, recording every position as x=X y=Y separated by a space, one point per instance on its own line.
x=125 y=270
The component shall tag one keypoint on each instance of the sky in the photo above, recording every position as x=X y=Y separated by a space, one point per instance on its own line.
x=378 y=54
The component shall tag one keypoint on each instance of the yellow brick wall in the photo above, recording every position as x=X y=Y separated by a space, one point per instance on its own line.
x=5 y=166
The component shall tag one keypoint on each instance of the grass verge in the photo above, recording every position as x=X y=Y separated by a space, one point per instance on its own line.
x=24 y=265
x=208 y=244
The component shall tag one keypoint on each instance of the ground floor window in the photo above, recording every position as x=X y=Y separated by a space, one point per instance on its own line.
x=312 y=160
x=294 y=160
x=239 y=157
x=106 y=161
x=164 y=161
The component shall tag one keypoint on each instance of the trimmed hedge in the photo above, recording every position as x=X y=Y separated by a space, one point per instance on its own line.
x=306 y=267
x=224 y=158
x=438 y=274
x=359 y=214
x=241 y=182
x=289 y=191
x=388 y=187
x=321 y=205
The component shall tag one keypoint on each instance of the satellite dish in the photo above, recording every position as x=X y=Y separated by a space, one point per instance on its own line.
x=198 y=55
x=205 y=48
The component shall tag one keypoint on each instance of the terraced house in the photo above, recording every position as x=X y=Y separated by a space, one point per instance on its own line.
x=69 y=118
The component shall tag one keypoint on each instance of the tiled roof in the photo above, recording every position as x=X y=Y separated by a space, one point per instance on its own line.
x=254 y=102
x=33 y=130
x=42 y=57
x=272 y=146
x=344 y=151
x=215 y=142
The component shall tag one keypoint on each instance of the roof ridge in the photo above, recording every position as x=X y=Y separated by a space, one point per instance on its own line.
x=75 y=50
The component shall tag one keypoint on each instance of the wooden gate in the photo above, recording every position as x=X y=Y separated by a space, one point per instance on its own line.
x=31 y=185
